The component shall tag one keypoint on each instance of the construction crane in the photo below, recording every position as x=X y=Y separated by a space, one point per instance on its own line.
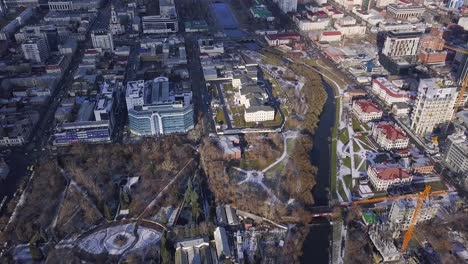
x=414 y=218
x=464 y=83
x=420 y=196
x=392 y=198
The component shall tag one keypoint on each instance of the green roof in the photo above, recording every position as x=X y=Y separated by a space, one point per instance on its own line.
x=369 y=218
x=261 y=11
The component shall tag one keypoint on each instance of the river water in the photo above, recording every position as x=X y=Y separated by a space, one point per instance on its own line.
x=317 y=244
x=316 y=248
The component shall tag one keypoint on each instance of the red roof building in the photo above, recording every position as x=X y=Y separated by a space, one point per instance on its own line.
x=383 y=176
x=366 y=110
x=390 y=136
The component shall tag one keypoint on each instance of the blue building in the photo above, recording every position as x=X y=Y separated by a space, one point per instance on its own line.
x=159 y=107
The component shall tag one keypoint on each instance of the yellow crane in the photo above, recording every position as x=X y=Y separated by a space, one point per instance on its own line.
x=420 y=196
x=414 y=218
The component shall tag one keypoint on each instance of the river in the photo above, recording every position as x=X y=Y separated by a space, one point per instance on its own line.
x=316 y=247
x=317 y=244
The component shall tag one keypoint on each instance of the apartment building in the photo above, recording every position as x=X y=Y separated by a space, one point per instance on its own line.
x=388 y=92
x=434 y=105
x=390 y=136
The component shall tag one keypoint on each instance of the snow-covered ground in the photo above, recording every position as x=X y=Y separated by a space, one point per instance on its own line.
x=107 y=240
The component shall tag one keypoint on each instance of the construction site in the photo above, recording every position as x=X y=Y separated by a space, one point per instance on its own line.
x=425 y=227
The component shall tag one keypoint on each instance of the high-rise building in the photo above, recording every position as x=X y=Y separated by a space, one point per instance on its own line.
x=399 y=51
x=158 y=107
x=402 y=43
x=102 y=39
x=287 y=5
x=35 y=49
x=434 y=105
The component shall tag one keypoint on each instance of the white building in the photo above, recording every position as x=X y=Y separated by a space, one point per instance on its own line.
x=388 y=92
x=463 y=22
x=210 y=47
x=390 y=136
x=259 y=114
x=366 y=111
x=35 y=49
x=402 y=211
x=384 y=3
x=349 y=4
x=456 y=156
x=222 y=245
x=383 y=176
x=330 y=36
x=102 y=39
x=287 y=5
x=434 y=106
x=305 y=24
x=348 y=29
x=134 y=93
x=405 y=11
x=402 y=43
x=114 y=25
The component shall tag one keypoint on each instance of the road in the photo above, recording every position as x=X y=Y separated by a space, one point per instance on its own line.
x=34 y=150
x=223 y=104
x=199 y=89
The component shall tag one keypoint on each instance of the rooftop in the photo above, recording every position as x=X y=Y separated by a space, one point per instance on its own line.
x=390 y=172
x=367 y=106
x=390 y=88
x=391 y=131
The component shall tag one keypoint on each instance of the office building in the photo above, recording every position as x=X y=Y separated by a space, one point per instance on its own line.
x=401 y=43
x=405 y=11
x=162 y=22
x=399 y=51
x=35 y=49
x=158 y=107
x=434 y=105
x=93 y=123
x=102 y=39
x=402 y=211
x=48 y=32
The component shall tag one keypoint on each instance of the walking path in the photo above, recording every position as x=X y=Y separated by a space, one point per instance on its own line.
x=257 y=176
